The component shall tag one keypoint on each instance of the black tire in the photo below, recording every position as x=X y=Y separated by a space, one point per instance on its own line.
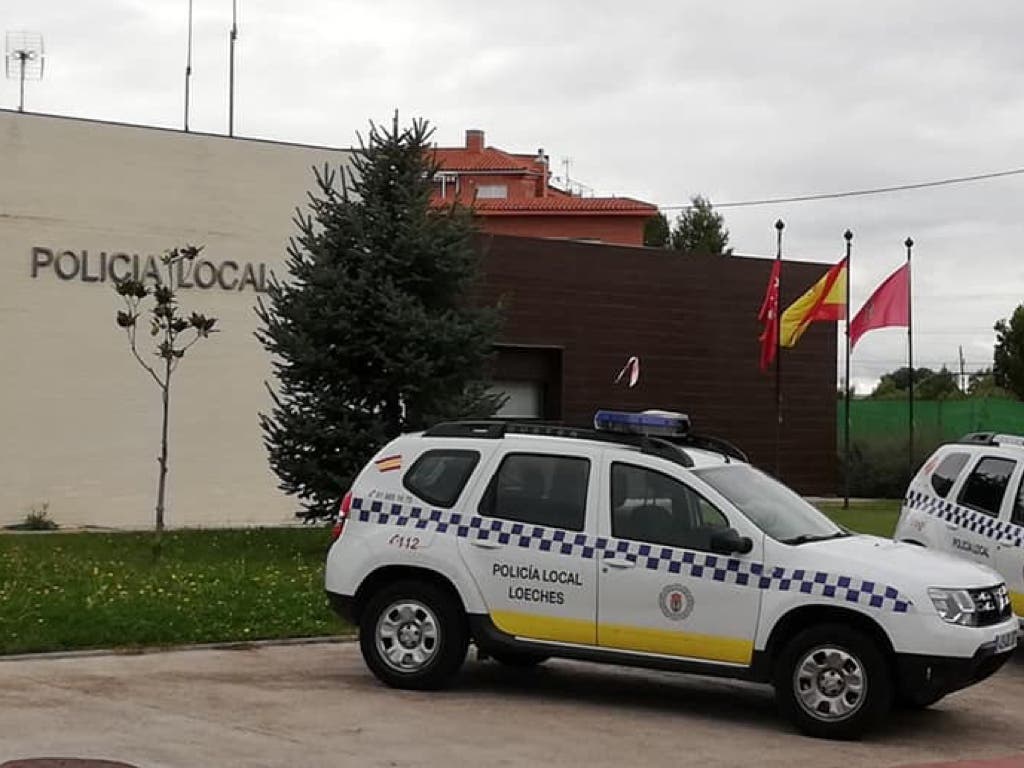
x=519 y=659
x=849 y=650
x=436 y=608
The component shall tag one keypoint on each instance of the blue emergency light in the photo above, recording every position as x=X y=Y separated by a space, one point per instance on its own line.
x=660 y=423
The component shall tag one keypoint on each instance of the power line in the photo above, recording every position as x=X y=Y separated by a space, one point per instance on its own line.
x=854 y=193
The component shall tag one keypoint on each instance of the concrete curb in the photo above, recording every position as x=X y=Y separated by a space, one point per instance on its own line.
x=231 y=645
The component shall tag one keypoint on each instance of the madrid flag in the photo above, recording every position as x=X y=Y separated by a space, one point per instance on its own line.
x=825 y=300
x=888 y=306
x=769 y=316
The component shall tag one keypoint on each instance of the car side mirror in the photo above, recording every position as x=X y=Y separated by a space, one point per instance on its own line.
x=727 y=541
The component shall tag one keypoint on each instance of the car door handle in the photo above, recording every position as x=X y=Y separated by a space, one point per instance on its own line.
x=617 y=563
x=953 y=526
x=485 y=543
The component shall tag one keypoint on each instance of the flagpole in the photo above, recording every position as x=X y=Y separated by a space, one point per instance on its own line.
x=231 y=68
x=848 y=236
x=779 y=226
x=188 y=64
x=909 y=243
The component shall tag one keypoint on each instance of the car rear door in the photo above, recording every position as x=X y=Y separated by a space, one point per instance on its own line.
x=527 y=539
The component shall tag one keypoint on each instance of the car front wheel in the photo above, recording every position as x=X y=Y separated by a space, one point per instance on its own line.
x=413 y=635
x=833 y=682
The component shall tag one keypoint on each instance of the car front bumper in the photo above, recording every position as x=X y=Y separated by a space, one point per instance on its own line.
x=930 y=677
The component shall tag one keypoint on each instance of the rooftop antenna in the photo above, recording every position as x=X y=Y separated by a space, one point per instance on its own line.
x=188 y=63
x=231 y=68
x=23 y=59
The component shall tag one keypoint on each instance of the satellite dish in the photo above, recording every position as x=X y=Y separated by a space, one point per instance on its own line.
x=23 y=60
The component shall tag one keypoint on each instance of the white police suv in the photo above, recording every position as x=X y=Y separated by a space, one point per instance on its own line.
x=968 y=499
x=640 y=543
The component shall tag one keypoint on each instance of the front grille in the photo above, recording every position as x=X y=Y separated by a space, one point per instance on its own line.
x=991 y=605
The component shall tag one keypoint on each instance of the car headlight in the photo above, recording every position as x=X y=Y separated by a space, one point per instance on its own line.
x=954 y=605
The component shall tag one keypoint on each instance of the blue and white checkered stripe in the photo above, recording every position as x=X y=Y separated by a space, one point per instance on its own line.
x=698 y=565
x=968 y=519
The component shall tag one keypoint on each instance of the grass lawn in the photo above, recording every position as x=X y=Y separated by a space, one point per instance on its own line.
x=116 y=590
x=92 y=590
x=877 y=516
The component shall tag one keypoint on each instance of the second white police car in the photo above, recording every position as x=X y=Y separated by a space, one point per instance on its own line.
x=968 y=499
x=640 y=543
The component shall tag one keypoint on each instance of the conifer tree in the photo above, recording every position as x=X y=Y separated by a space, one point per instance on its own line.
x=373 y=332
x=701 y=229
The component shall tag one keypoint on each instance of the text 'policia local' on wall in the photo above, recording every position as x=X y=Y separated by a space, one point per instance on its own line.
x=102 y=267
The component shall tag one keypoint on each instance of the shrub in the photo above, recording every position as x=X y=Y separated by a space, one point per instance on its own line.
x=878 y=465
x=37 y=519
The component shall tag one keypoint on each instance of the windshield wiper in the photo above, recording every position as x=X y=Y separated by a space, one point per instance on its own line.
x=805 y=538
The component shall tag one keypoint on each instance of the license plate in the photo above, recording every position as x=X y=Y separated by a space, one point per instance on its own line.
x=1006 y=641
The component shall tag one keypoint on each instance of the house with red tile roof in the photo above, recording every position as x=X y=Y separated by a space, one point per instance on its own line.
x=512 y=194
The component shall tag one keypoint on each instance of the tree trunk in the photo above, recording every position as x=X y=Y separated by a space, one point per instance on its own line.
x=392 y=413
x=162 y=485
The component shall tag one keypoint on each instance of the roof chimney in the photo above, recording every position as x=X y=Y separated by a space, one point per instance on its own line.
x=542 y=182
x=475 y=140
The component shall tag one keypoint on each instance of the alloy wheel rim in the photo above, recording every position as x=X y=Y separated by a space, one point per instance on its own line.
x=407 y=636
x=830 y=684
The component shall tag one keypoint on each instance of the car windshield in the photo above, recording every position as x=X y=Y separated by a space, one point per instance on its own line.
x=770 y=505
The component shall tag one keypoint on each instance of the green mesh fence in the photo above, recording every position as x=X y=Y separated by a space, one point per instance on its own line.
x=879 y=464
x=935 y=420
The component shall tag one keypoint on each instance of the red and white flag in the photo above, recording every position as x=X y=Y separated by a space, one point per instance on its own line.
x=888 y=306
x=630 y=369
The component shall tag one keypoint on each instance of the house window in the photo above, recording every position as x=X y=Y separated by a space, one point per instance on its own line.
x=492 y=191
x=523 y=399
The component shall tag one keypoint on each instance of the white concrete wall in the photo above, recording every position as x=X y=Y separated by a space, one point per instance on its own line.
x=79 y=419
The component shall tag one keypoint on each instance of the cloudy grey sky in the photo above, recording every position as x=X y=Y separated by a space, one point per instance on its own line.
x=659 y=100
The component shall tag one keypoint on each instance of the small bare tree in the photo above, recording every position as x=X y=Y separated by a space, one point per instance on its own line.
x=172 y=334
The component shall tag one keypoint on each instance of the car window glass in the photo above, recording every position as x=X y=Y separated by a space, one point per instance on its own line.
x=945 y=475
x=1018 y=505
x=767 y=503
x=984 y=488
x=438 y=477
x=652 y=507
x=540 y=489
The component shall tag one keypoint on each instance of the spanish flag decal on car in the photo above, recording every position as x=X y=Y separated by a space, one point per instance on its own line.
x=388 y=463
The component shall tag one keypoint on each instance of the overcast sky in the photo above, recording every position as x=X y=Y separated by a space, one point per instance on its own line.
x=656 y=100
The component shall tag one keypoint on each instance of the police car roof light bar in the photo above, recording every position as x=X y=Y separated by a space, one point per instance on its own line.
x=652 y=423
x=1008 y=439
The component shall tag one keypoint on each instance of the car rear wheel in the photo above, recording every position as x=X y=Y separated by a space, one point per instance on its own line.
x=413 y=635
x=833 y=682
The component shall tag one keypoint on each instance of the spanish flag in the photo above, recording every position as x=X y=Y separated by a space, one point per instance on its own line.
x=825 y=300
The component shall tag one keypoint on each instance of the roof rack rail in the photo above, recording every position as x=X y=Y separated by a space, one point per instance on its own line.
x=990 y=438
x=495 y=430
x=709 y=443
x=977 y=438
x=489 y=430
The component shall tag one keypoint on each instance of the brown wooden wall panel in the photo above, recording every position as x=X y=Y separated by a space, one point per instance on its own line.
x=692 y=320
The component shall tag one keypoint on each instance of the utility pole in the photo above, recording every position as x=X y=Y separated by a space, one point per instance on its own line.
x=963 y=376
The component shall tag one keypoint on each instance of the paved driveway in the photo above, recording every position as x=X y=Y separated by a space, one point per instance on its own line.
x=316 y=705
